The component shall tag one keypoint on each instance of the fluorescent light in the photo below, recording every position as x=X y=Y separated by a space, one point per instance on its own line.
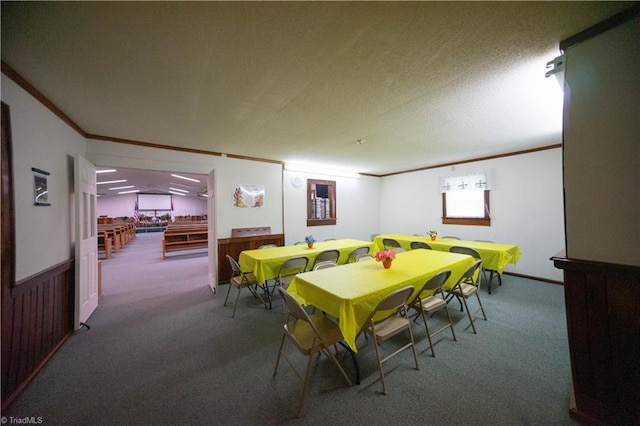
x=181 y=184
x=178 y=189
x=111 y=181
x=121 y=187
x=321 y=171
x=106 y=171
x=129 y=192
x=177 y=193
x=186 y=178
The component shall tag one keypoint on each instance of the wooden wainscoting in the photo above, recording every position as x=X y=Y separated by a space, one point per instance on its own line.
x=233 y=247
x=40 y=320
x=603 y=324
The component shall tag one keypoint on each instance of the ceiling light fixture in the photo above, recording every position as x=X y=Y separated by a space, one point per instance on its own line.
x=181 y=184
x=556 y=67
x=121 y=187
x=111 y=181
x=360 y=142
x=185 y=178
x=178 y=189
x=177 y=193
x=316 y=170
x=106 y=171
x=129 y=192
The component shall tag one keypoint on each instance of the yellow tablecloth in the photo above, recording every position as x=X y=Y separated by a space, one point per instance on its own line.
x=350 y=292
x=495 y=256
x=265 y=263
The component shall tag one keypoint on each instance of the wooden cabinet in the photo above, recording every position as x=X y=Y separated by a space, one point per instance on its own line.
x=233 y=247
x=603 y=325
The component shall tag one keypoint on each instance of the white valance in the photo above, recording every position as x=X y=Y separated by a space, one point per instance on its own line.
x=462 y=182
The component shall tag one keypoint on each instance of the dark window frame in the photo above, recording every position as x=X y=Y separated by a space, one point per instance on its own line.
x=311 y=192
x=477 y=221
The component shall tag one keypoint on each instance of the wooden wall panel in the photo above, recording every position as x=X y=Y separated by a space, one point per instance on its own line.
x=603 y=324
x=41 y=319
x=233 y=247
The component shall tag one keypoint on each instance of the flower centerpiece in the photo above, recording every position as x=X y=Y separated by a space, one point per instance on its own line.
x=433 y=234
x=310 y=240
x=386 y=257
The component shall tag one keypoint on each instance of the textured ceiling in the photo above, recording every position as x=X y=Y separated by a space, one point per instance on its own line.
x=423 y=83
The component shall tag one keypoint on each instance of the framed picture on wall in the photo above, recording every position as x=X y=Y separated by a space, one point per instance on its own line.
x=40 y=189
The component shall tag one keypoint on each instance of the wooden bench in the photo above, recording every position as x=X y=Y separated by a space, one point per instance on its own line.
x=105 y=244
x=183 y=236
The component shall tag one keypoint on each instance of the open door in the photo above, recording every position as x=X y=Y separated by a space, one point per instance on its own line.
x=211 y=234
x=86 y=241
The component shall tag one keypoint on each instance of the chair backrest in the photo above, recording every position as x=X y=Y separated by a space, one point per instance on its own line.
x=484 y=241
x=373 y=236
x=419 y=245
x=264 y=246
x=355 y=253
x=465 y=250
x=328 y=255
x=293 y=266
x=294 y=308
x=392 y=302
x=324 y=265
x=434 y=283
x=471 y=272
x=390 y=242
x=362 y=257
x=235 y=267
x=451 y=237
x=330 y=239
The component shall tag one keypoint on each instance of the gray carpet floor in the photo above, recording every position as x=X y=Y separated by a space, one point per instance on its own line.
x=163 y=350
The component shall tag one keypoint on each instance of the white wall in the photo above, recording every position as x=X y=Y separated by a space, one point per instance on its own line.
x=526 y=207
x=44 y=235
x=602 y=147
x=357 y=200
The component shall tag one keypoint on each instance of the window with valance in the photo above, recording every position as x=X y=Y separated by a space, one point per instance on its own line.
x=465 y=199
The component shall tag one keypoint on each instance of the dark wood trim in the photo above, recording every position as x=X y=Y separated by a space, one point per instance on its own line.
x=28 y=87
x=26 y=284
x=601 y=27
x=151 y=145
x=8 y=239
x=332 y=219
x=531 y=277
x=321 y=222
x=594 y=267
x=474 y=221
x=474 y=160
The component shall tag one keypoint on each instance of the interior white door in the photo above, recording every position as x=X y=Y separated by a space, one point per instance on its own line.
x=211 y=233
x=86 y=241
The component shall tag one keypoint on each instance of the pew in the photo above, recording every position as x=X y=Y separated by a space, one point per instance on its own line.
x=182 y=236
x=105 y=244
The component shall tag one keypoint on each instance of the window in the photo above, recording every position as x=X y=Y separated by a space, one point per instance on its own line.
x=321 y=202
x=465 y=200
x=466 y=208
